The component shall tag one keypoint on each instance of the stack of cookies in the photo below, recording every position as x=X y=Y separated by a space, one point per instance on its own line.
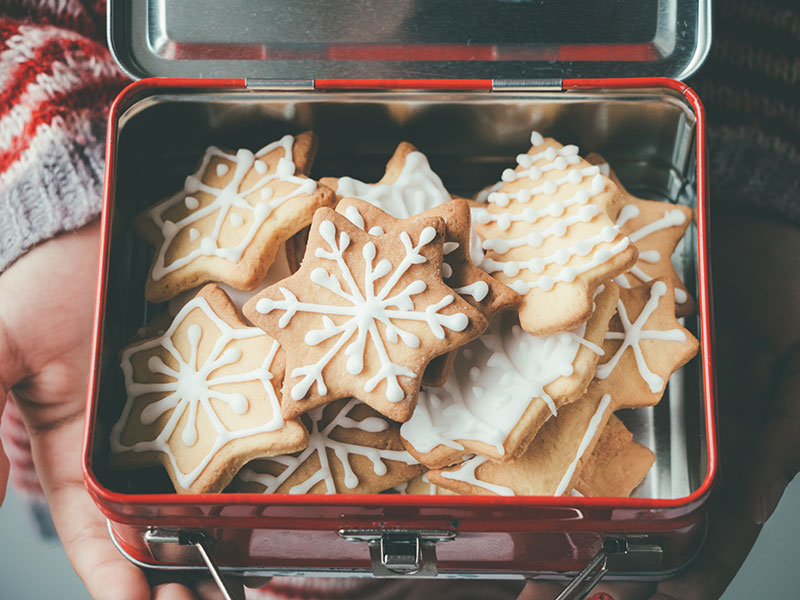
x=349 y=337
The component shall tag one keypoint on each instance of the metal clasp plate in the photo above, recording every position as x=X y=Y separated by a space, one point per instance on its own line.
x=400 y=552
x=634 y=552
x=202 y=543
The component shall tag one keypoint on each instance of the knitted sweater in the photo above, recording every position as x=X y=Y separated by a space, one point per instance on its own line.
x=57 y=81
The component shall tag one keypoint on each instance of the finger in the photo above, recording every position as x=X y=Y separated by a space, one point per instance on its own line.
x=172 y=591
x=620 y=590
x=776 y=459
x=5 y=465
x=536 y=590
x=730 y=537
x=540 y=590
x=80 y=525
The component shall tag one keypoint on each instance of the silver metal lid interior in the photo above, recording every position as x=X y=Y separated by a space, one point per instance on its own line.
x=409 y=39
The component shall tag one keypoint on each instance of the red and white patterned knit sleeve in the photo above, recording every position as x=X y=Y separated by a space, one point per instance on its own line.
x=57 y=80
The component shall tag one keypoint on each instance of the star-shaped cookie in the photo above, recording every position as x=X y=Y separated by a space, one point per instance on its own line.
x=655 y=228
x=504 y=386
x=202 y=398
x=231 y=216
x=617 y=465
x=364 y=315
x=549 y=234
x=645 y=344
x=458 y=271
x=409 y=186
x=352 y=449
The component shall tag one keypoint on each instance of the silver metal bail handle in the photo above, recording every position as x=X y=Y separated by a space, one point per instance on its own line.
x=592 y=573
x=200 y=541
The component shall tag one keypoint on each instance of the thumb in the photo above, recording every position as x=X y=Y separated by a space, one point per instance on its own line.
x=11 y=372
x=5 y=466
x=776 y=457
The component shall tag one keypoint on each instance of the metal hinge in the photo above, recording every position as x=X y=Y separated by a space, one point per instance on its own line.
x=527 y=85
x=286 y=85
x=400 y=552
x=156 y=536
x=630 y=553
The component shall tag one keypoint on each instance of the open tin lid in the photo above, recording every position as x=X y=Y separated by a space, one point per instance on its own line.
x=409 y=39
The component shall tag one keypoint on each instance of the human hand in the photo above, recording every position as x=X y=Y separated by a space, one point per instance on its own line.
x=46 y=309
x=755 y=267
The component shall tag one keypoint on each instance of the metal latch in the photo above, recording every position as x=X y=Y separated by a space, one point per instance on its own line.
x=400 y=552
x=631 y=553
x=202 y=543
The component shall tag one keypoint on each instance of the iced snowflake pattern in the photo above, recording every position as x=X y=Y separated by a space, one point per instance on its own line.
x=366 y=308
x=634 y=333
x=191 y=387
x=319 y=443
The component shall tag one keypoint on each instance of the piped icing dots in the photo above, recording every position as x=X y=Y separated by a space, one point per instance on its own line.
x=229 y=202
x=524 y=223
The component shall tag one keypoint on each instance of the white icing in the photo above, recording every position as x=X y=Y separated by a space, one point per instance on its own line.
x=466 y=474
x=366 y=307
x=478 y=289
x=192 y=385
x=320 y=442
x=567 y=213
x=672 y=218
x=588 y=436
x=491 y=385
x=633 y=334
x=416 y=189
x=223 y=200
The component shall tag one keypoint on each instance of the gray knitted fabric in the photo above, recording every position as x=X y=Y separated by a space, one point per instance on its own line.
x=754 y=174
x=60 y=191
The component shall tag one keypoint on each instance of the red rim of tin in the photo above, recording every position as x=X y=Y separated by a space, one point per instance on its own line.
x=106 y=497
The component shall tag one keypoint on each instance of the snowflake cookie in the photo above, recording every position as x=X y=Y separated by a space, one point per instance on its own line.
x=549 y=234
x=231 y=216
x=364 y=315
x=458 y=271
x=202 y=398
x=504 y=386
x=408 y=188
x=656 y=228
x=645 y=344
x=351 y=449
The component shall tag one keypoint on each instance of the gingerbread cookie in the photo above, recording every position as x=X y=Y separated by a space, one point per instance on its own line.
x=474 y=285
x=364 y=315
x=645 y=344
x=617 y=465
x=409 y=186
x=655 y=228
x=231 y=216
x=351 y=449
x=201 y=398
x=549 y=234
x=503 y=388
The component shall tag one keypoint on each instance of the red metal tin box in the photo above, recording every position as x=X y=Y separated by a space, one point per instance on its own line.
x=652 y=131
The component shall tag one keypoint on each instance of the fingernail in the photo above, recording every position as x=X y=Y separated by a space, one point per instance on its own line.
x=602 y=596
x=770 y=499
